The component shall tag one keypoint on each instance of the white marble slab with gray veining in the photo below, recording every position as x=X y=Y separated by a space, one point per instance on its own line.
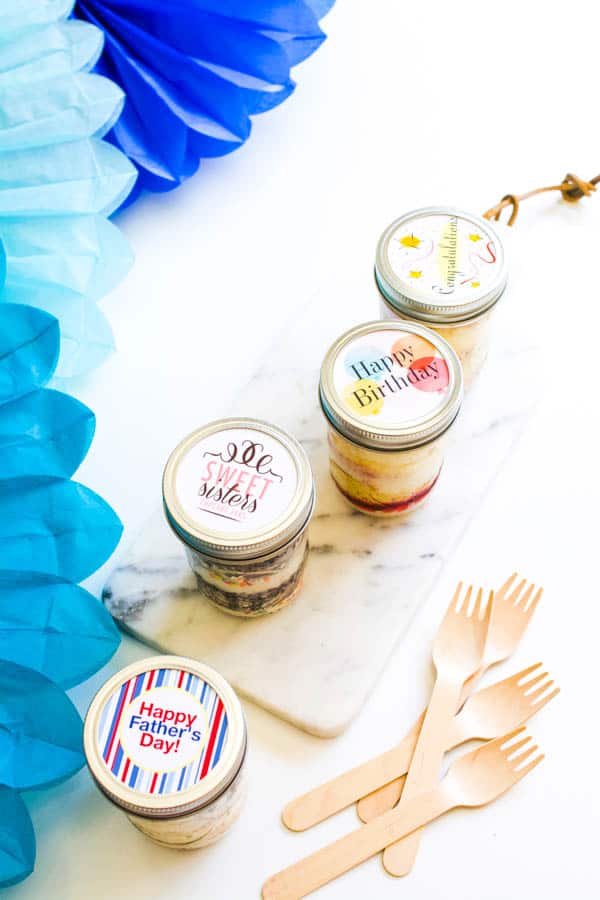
x=315 y=662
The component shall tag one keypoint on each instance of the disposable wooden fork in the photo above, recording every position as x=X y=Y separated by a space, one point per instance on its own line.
x=376 y=781
x=475 y=779
x=458 y=652
x=487 y=714
x=511 y=613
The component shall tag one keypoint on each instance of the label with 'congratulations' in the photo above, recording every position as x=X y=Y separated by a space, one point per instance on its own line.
x=443 y=259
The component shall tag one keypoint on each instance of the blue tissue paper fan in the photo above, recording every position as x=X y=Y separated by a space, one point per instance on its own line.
x=195 y=71
x=54 y=532
x=58 y=255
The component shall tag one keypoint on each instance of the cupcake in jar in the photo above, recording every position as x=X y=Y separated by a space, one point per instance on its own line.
x=165 y=741
x=239 y=494
x=445 y=269
x=390 y=391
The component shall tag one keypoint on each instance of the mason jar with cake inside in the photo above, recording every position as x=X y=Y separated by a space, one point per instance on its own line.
x=239 y=494
x=447 y=270
x=390 y=391
x=165 y=741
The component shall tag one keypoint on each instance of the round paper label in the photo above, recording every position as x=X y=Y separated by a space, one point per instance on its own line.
x=162 y=731
x=392 y=377
x=445 y=259
x=236 y=480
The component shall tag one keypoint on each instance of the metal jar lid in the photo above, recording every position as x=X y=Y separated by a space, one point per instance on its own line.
x=165 y=736
x=440 y=265
x=391 y=385
x=238 y=489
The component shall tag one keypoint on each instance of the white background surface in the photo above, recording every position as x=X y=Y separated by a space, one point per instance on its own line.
x=404 y=106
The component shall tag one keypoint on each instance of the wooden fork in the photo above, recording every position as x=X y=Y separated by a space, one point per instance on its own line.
x=458 y=651
x=511 y=613
x=508 y=620
x=496 y=709
x=473 y=780
x=376 y=780
x=487 y=714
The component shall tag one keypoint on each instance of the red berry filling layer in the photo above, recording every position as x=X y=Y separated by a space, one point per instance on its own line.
x=394 y=507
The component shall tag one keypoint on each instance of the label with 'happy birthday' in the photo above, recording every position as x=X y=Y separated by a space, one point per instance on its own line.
x=390 y=377
x=162 y=731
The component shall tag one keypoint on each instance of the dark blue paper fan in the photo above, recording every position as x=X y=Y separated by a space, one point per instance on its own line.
x=195 y=71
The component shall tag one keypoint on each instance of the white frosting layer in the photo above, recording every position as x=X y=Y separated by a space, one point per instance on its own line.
x=201 y=828
x=380 y=478
x=245 y=581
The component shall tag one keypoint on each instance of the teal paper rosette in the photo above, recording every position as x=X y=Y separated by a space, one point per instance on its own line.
x=59 y=254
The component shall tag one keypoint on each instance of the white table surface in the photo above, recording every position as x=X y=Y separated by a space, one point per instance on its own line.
x=405 y=105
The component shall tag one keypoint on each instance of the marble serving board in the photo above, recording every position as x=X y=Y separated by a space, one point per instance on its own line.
x=315 y=662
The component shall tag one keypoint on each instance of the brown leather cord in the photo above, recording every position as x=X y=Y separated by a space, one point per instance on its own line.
x=571 y=187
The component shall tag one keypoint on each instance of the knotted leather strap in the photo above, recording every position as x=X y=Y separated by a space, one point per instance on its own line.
x=571 y=187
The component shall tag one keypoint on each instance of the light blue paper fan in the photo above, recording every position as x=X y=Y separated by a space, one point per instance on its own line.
x=58 y=180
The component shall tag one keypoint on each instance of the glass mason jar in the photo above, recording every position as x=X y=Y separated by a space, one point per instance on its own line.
x=165 y=740
x=389 y=391
x=445 y=269
x=239 y=493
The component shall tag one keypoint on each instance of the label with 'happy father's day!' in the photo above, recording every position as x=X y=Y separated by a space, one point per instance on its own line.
x=162 y=731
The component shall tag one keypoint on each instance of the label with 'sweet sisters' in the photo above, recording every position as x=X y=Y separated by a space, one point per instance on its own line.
x=236 y=479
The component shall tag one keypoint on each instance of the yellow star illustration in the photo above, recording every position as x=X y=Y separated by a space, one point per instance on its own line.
x=410 y=240
x=414 y=274
x=474 y=237
x=475 y=284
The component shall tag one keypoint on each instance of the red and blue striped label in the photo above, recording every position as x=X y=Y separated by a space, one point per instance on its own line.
x=162 y=731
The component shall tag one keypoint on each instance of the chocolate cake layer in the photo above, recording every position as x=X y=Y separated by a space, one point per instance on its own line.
x=257 y=602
